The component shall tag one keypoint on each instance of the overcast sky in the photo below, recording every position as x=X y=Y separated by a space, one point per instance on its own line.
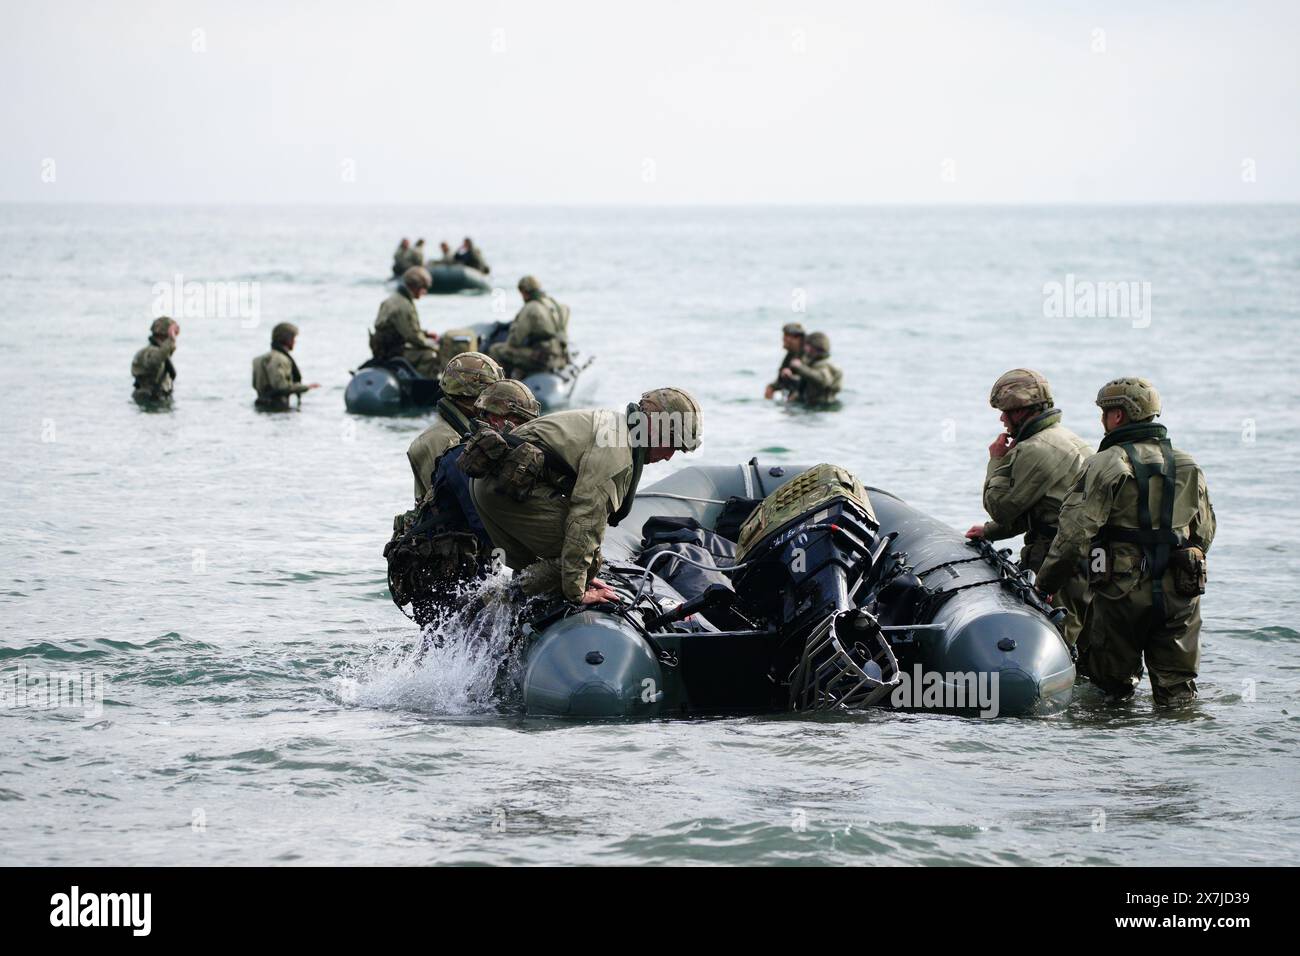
x=649 y=102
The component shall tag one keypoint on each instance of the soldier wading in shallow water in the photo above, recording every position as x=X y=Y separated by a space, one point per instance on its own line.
x=152 y=368
x=1140 y=514
x=275 y=375
x=1032 y=466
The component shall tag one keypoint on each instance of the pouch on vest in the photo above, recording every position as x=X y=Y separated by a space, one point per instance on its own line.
x=521 y=470
x=426 y=555
x=1188 y=565
x=386 y=343
x=1101 y=562
x=484 y=453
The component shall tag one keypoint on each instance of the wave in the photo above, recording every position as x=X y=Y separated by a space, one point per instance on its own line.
x=461 y=664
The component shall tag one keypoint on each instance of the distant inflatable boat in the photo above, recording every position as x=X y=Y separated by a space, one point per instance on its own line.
x=449 y=279
x=393 y=387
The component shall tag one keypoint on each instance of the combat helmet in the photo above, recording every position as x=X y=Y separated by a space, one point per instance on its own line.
x=283 y=332
x=1137 y=396
x=417 y=277
x=793 y=328
x=819 y=341
x=686 y=420
x=161 y=326
x=529 y=285
x=508 y=398
x=468 y=373
x=1020 y=388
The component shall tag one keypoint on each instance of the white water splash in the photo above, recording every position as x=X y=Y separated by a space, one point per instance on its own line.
x=452 y=668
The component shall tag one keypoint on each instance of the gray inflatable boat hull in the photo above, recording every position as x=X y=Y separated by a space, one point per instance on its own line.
x=596 y=664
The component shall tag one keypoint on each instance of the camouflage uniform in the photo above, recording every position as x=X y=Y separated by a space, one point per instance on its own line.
x=780 y=384
x=399 y=320
x=553 y=536
x=538 y=340
x=275 y=374
x=1145 y=555
x=442 y=544
x=472 y=257
x=465 y=377
x=819 y=379
x=152 y=368
x=1024 y=489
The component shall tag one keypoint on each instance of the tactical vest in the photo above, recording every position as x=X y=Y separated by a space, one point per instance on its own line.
x=386 y=343
x=519 y=465
x=516 y=465
x=554 y=343
x=433 y=549
x=266 y=398
x=1157 y=544
x=141 y=382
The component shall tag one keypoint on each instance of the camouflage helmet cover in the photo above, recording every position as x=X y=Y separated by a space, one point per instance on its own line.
x=162 y=325
x=1020 y=388
x=793 y=328
x=1137 y=396
x=819 y=341
x=417 y=277
x=686 y=420
x=283 y=332
x=468 y=373
x=509 y=398
x=529 y=285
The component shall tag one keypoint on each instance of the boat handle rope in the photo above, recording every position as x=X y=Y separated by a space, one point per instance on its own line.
x=669 y=494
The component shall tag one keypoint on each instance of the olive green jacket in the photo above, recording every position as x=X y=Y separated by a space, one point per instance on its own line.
x=429 y=445
x=472 y=257
x=779 y=383
x=153 y=371
x=1024 y=489
x=399 y=312
x=819 y=381
x=1106 y=495
x=595 y=444
x=275 y=379
x=542 y=326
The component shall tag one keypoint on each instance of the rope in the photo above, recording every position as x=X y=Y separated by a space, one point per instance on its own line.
x=668 y=494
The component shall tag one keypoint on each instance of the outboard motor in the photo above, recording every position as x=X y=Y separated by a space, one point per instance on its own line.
x=802 y=556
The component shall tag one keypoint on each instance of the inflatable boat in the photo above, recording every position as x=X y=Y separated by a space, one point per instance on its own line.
x=449 y=279
x=393 y=387
x=828 y=595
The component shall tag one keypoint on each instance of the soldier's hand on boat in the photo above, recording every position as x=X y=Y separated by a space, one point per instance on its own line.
x=769 y=392
x=314 y=385
x=1000 y=445
x=598 y=592
x=975 y=531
